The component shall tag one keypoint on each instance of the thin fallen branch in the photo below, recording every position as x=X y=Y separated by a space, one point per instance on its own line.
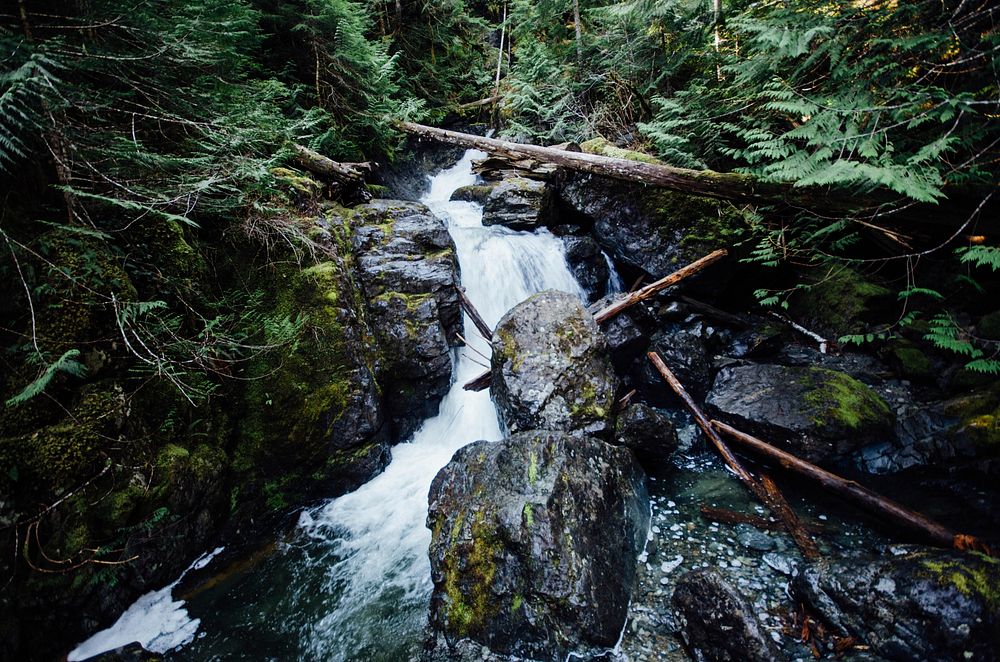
x=860 y=495
x=653 y=288
x=759 y=488
x=715 y=313
x=726 y=516
x=480 y=383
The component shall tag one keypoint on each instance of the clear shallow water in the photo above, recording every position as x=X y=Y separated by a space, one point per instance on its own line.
x=352 y=581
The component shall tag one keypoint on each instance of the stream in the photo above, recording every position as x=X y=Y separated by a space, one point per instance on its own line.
x=352 y=581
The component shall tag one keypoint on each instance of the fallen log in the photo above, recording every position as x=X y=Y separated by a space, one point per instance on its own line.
x=933 y=531
x=736 y=187
x=478 y=104
x=652 y=289
x=315 y=162
x=484 y=329
x=726 y=516
x=480 y=383
x=709 y=310
x=767 y=494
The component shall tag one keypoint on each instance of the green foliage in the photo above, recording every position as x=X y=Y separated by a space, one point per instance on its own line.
x=28 y=84
x=66 y=364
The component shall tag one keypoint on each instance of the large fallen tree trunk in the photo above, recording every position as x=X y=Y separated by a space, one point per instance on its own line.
x=934 y=532
x=736 y=187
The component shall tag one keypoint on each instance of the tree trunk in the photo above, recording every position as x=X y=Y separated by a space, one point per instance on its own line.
x=578 y=27
x=315 y=162
x=934 y=532
x=735 y=187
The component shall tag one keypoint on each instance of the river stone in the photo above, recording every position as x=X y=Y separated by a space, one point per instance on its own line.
x=408 y=272
x=516 y=202
x=717 y=623
x=650 y=435
x=534 y=541
x=587 y=263
x=817 y=413
x=926 y=604
x=472 y=193
x=551 y=368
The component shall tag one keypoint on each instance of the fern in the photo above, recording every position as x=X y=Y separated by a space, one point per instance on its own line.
x=981 y=256
x=67 y=364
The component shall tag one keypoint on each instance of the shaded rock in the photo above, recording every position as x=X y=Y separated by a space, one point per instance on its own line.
x=627 y=333
x=819 y=414
x=649 y=433
x=534 y=541
x=516 y=202
x=924 y=605
x=408 y=272
x=551 y=368
x=717 y=623
x=472 y=193
x=588 y=265
x=684 y=347
x=652 y=230
x=838 y=302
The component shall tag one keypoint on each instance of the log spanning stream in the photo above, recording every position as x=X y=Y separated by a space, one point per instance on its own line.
x=352 y=582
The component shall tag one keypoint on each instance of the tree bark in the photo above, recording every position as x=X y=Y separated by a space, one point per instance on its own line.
x=862 y=496
x=484 y=329
x=887 y=207
x=650 y=290
x=315 y=162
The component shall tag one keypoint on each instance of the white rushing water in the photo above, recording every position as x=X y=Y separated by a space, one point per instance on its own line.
x=353 y=583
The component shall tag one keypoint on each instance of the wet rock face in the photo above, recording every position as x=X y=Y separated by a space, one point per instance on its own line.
x=551 y=368
x=924 y=605
x=654 y=231
x=650 y=435
x=588 y=265
x=819 y=414
x=408 y=271
x=534 y=541
x=717 y=623
x=516 y=202
x=684 y=347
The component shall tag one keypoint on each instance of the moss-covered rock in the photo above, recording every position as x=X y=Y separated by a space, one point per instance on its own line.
x=836 y=302
x=911 y=362
x=821 y=414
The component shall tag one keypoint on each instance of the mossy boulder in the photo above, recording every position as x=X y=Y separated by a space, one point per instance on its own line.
x=820 y=414
x=472 y=193
x=551 y=368
x=911 y=362
x=533 y=546
x=838 y=302
x=648 y=229
x=922 y=605
x=516 y=202
x=408 y=273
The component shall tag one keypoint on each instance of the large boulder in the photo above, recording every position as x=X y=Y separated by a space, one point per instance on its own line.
x=408 y=272
x=551 y=368
x=819 y=414
x=922 y=605
x=534 y=541
x=653 y=230
x=717 y=623
x=517 y=202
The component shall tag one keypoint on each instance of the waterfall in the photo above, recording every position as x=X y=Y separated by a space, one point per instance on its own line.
x=353 y=581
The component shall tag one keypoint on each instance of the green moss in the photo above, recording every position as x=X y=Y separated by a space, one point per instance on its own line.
x=980 y=578
x=529 y=515
x=509 y=350
x=913 y=363
x=839 y=399
x=602 y=147
x=516 y=603
x=468 y=581
x=836 y=301
x=297 y=181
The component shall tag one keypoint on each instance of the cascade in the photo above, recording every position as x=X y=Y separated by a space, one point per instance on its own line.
x=353 y=580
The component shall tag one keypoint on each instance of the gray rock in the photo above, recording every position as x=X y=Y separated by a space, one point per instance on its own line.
x=717 y=622
x=588 y=265
x=472 y=193
x=408 y=272
x=817 y=413
x=753 y=539
x=650 y=435
x=534 y=541
x=923 y=605
x=515 y=202
x=653 y=230
x=551 y=368
x=627 y=333
x=684 y=347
